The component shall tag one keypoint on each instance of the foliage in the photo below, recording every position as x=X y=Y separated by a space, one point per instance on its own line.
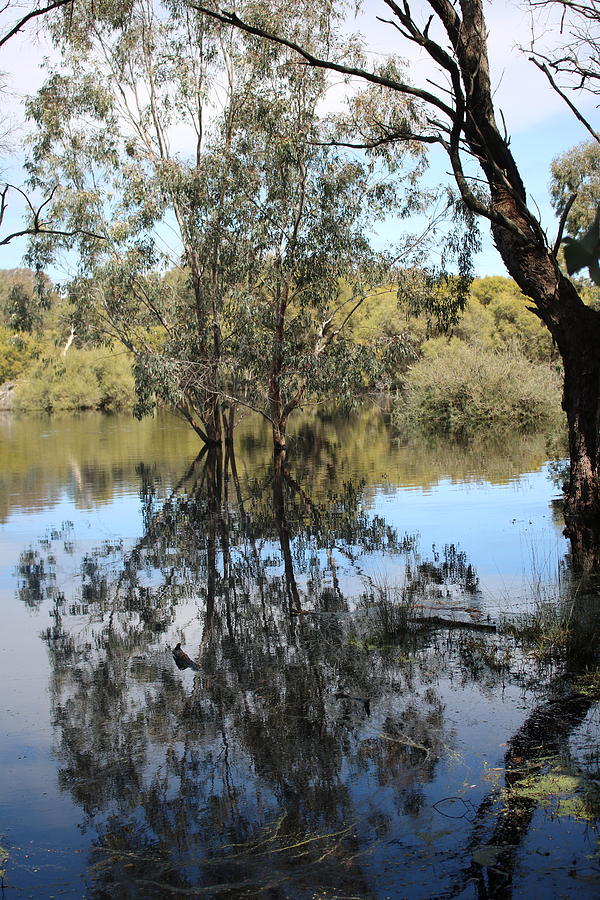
x=32 y=292
x=561 y=627
x=434 y=291
x=577 y=172
x=269 y=216
x=45 y=344
x=17 y=353
x=545 y=632
x=391 y=609
x=556 y=788
x=20 y=311
x=83 y=379
x=575 y=189
x=495 y=317
x=512 y=325
x=459 y=389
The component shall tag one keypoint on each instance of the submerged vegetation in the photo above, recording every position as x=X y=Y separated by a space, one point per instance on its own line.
x=494 y=370
x=460 y=390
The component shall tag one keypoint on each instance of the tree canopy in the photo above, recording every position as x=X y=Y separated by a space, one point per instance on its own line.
x=267 y=217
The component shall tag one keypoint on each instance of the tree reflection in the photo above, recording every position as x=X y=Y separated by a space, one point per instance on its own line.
x=280 y=762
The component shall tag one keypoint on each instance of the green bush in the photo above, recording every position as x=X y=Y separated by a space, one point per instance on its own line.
x=513 y=325
x=460 y=389
x=17 y=352
x=83 y=379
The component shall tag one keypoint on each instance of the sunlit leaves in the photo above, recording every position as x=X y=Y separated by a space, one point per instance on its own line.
x=183 y=143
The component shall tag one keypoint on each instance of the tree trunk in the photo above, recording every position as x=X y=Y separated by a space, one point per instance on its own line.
x=581 y=402
x=213 y=422
x=575 y=328
x=279 y=438
x=285 y=538
x=229 y=424
x=523 y=246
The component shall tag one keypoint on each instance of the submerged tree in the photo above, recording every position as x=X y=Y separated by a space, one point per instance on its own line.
x=462 y=120
x=269 y=216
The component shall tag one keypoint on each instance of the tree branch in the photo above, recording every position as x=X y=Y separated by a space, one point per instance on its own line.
x=38 y=227
x=32 y=15
x=544 y=68
x=228 y=18
x=51 y=231
x=379 y=142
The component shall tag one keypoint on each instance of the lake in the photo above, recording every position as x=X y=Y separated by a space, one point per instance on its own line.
x=386 y=685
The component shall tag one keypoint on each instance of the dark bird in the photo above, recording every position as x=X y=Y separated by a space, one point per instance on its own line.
x=182 y=660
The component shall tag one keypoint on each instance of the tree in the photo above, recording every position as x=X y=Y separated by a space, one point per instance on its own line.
x=316 y=267
x=462 y=120
x=20 y=309
x=38 y=224
x=268 y=214
x=575 y=192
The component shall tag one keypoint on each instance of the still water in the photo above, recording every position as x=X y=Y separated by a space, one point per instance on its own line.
x=352 y=717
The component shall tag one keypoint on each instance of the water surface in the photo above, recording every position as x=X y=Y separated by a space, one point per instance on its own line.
x=315 y=748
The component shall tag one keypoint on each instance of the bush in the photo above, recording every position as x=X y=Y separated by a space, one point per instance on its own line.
x=83 y=379
x=17 y=352
x=391 y=608
x=459 y=389
x=509 y=324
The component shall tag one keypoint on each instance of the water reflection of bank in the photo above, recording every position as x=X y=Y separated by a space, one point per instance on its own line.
x=311 y=751
x=92 y=458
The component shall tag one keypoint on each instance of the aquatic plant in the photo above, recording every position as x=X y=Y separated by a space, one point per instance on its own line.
x=391 y=609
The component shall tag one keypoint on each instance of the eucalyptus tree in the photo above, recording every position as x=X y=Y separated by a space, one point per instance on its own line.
x=315 y=266
x=575 y=193
x=158 y=121
x=133 y=84
x=458 y=114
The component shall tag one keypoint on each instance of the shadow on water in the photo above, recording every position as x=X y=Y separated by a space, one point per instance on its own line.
x=243 y=708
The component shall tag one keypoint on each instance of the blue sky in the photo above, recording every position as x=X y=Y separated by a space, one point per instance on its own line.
x=540 y=125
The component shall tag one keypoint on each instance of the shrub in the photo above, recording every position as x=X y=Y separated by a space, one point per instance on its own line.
x=513 y=325
x=17 y=351
x=459 y=389
x=83 y=379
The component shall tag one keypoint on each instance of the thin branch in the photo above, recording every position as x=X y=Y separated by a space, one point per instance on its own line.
x=379 y=142
x=544 y=68
x=38 y=227
x=392 y=23
x=32 y=15
x=41 y=230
